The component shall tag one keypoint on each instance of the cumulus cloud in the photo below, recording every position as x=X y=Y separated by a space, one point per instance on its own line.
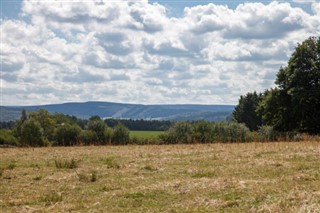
x=133 y=51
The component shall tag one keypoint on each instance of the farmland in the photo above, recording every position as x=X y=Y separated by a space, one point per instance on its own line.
x=241 y=177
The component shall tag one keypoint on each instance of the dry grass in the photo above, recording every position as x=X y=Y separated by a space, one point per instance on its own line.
x=254 y=177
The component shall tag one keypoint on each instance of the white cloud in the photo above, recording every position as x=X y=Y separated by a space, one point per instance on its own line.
x=134 y=52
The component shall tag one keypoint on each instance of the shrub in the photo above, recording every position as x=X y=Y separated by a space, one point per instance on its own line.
x=120 y=135
x=267 y=133
x=88 y=137
x=202 y=132
x=67 y=135
x=180 y=132
x=6 y=138
x=96 y=125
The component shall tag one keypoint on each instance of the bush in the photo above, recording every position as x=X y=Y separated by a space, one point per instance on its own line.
x=267 y=133
x=230 y=132
x=120 y=135
x=6 y=138
x=205 y=132
x=88 y=137
x=202 y=132
x=96 y=125
x=181 y=132
x=67 y=135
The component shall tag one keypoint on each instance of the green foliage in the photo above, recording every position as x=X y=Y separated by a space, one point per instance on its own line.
x=51 y=198
x=180 y=132
x=67 y=134
x=202 y=132
x=88 y=137
x=110 y=162
x=32 y=134
x=230 y=132
x=295 y=105
x=267 y=133
x=98 y=126
x=245 y=111
x=7 y=138
x=206 y=132
x=120 y=135
x=108 y=133
x=46 y=121
x=140 y=125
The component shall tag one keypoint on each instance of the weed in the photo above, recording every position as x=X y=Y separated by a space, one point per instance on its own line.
x=94 y=176
x=66 y=164
x=11 y=166
x=110 y=162
x=1 y=171
x=51 y=198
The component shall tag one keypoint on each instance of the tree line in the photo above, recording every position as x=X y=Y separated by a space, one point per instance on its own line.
x=280 y=113
x=41 y=128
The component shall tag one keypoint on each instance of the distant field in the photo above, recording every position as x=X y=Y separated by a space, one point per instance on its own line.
x=145 y=134
x=253 y=177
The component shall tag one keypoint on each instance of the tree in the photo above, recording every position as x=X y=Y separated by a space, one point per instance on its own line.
x=46 y=120
x=32 y=134
x=245 y=111
x=96 y=125
x=295 y=104
x=67 y=134
x=120 y=134
x=88 y=137
x=17 y=127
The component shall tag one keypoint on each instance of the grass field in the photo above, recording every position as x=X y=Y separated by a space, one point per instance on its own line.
x=254 y=177
x=145 y=134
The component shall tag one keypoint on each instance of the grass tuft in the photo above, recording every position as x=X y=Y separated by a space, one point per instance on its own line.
x=51 y=198
x=110 y=162
x=11 y=166
x=66 y=164
x=204 y=174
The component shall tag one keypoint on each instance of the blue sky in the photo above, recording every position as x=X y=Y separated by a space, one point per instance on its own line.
x=173 y=52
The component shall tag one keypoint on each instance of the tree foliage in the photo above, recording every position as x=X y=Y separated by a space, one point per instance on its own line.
x=67 y=134
x=97 y=125
x=120 y=135
x=295 y=104
x=245 y=111
x=32 y=134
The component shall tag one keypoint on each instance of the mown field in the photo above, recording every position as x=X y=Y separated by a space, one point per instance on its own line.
x=253 y=177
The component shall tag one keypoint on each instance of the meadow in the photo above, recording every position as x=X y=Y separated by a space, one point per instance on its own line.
x=239 y=177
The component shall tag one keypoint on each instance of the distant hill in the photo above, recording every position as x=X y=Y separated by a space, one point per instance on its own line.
x=127 y=111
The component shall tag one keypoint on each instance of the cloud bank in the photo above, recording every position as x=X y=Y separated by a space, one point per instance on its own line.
x=133 y=51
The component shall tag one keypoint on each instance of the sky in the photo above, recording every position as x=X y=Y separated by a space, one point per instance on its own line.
x=156 y=52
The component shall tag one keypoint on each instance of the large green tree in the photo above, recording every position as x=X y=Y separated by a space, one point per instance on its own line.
x=47 y=122
x=98 y=126
x=295 y=104
x=32 y=134
x=245 y=111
